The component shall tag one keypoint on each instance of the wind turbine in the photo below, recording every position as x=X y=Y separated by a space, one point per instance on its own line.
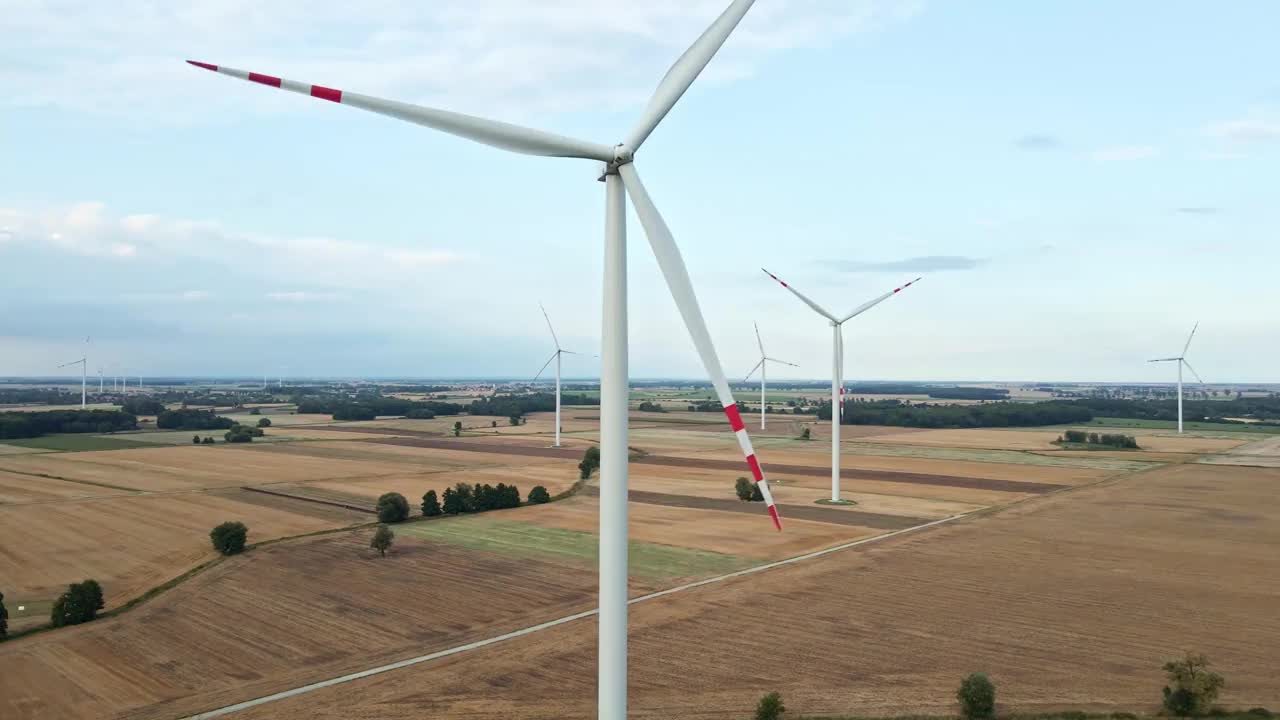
x=617 y=168
x=554 y=356
x=1182 y=360
x=837 y=367
x=762 y=367
x=83 y=362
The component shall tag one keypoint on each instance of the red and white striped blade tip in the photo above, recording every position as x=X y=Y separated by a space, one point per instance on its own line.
x=757 y=473
x=204 y=65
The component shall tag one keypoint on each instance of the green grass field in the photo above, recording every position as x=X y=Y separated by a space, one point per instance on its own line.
x=509 y=537
x=1227 y=428
x=78 y=443
x=1012 y=457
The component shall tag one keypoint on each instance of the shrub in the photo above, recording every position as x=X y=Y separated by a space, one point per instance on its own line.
x=977 y=697
x=770 y=707
x=240 y=434
x=1076 y=436
x=207 y=441
x=539 y=495
x=514 y=419
x=805 y=434
x=744 y=488
x=381 y=541
x=392 y=507
x=195 y=439
x=264 y=422
x=430 y=505
x=228 y=538
x=1192 y=686
x=457 y=427
x=590 y=462
x=79 y=604
x=255 y=411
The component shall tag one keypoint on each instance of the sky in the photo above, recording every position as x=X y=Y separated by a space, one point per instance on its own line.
x=1078 y=184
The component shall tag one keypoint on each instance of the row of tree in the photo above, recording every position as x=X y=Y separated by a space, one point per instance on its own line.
x=1115 y=440
x=927 y=415
x=187 y=419
x=519 y=405
x=367 y=406
x=15 y=425
x=462 y=498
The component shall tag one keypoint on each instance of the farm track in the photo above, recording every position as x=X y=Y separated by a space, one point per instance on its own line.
x=320 y=501
x=791 y=512
x=1014 y=486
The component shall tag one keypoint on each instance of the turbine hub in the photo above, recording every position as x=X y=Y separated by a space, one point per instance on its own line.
x=621 y=156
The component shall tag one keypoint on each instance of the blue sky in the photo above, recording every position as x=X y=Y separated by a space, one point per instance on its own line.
x=1078 y=182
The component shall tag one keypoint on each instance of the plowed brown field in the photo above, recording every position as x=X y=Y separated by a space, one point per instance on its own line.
x=1068 y=600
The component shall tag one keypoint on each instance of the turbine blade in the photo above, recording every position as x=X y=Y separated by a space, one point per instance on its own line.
x=685 y=70
x=554 y=339
x=759 y=342
x=1193 y=334
x=544 y=367
x=817 y=308
x=872 y=303
x=1165 y=359
x=781 y=362
x=490 y=132
x=1193 y=370
x=753 y=370
x=677 y=276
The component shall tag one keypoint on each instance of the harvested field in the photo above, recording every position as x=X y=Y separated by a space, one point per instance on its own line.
x=1262 y=453
x=77 y=443
x=1099 y=460
x=130 y=543
x=1043 y=440
x=23 y=489
x=302 y=610
x=1069 y=600
x=19 y=450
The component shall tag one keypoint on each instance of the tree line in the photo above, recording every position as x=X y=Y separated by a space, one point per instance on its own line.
x=189 y=419
x=15 y=425
x=369 y=406
x=520 y=405
x=1115 y=440
x=926 y=415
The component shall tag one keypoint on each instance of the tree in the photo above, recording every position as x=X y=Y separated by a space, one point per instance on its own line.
x=466 y=493
x=264 y=422
x=392 y=507
x=977 y=696
x=430 y=505
x=514 y=419
x=590 y=462
x=457 y=428
x=1192 y=686
x=79 y=604
x=744 y=488
x=4 y=619
x=539 y=495
x=804 y=433
x=207 y=441
x=493 y=423
x=382 y=538
x=770 y=707
x=229 y=537
x=240 y=434
x=255 y=411
x=195 y=439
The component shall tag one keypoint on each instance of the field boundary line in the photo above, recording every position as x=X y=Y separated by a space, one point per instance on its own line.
x=332 y=503
x=359 y=675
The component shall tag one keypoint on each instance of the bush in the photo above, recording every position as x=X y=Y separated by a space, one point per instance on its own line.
x=430 y=505
x=79 y=604
x=382 y=538
x=392 y=507
x=805 y=434
x=539 y=495
x=195 y=439
x=770 y=707
x=742 y=487
x=1192 y=686
x=457 y=427
x=1076 y=436
x=255 y=411
x=229 y=537
x=207 y=441
x=590 y=462
x=514 y=419
x=977 y=697
x=264 y=422
x=241 y=434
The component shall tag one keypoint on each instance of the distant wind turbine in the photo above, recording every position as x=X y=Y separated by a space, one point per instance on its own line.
x=1182 y=360
x=837 y=367
x=762 y=367
x=83 y=362
x=556 y=357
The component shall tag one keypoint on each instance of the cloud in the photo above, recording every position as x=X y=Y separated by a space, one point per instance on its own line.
x=89 y=229
x=924 y=263
x=1038 y=142
x=1197 y=210
x=1124 y=153
x=504 y=57
x=1247 y=130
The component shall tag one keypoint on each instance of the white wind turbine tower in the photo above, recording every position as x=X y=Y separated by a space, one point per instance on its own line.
x=837 y=367
x=1182 y=360
x=616 y=167
x=762 y=366
x=83 y=362
x=556 y=357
